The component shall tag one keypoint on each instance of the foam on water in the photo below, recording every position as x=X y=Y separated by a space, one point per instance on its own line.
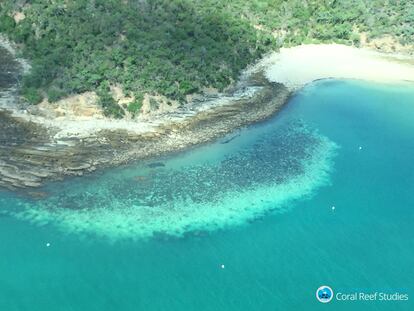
x=281 y=166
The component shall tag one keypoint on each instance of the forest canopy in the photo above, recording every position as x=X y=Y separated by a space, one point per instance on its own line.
x=176 y=47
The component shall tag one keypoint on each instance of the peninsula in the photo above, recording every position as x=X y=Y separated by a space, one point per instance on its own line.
x=124 y=86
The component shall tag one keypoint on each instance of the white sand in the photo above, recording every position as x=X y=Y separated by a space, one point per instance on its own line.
x=297 y=66
x=293 y=67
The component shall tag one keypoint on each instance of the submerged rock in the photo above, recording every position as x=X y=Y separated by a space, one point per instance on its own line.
x=32 y=153
x=156 y=164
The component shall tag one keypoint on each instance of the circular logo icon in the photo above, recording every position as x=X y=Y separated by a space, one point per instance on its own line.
x=324 y=294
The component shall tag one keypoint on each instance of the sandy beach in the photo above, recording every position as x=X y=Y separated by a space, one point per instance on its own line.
x=292 y=67
x=297 y=66
x=48 y=146
x=70 y=144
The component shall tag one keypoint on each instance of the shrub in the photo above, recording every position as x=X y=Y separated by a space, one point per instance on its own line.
x=134 y=107
x=355 y=38
x=32 y=95
x=55 y=94
x=6 y=23
x=107 y=102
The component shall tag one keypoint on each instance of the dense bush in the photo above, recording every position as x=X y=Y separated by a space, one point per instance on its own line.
x=32 y=95
x=136 y=105
x=7 y=23
x=110 y=107
x=54 y=94
x=176 y=47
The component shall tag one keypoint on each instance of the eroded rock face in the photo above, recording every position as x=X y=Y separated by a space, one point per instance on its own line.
x=86 y=106
x=18 y=17
x=83 y=105
x=157 y=104
x=119 y=96
x=386 y=44
x=32 y=153
x=29 y=154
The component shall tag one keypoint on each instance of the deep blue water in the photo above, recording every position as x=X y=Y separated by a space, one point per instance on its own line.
x=259 y=202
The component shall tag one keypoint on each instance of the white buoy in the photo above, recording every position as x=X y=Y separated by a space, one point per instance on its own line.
x=360 y=148
x=222 y=267
x=47 y=244
x=333 y=208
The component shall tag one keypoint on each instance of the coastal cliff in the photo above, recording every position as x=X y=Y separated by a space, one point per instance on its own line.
x=36 y=148
x=39 y=145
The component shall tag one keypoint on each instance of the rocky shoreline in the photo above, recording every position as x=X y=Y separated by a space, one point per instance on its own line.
x=42 y=143
x=31 y=154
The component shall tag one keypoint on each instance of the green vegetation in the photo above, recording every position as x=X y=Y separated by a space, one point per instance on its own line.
x=176 y=47
x=7 y=23
x=32 y=95
x=136 y=105
x=110 y=107
x=302 y=21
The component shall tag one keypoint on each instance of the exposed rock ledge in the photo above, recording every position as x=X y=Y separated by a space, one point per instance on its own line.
x=36 y=147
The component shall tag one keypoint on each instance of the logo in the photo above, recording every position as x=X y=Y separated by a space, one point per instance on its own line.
x=324 y=294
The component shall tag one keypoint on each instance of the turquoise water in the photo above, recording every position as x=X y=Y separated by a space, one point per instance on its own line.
x=154 y=236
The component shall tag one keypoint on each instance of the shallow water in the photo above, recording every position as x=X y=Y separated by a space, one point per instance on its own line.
x=153 y=236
